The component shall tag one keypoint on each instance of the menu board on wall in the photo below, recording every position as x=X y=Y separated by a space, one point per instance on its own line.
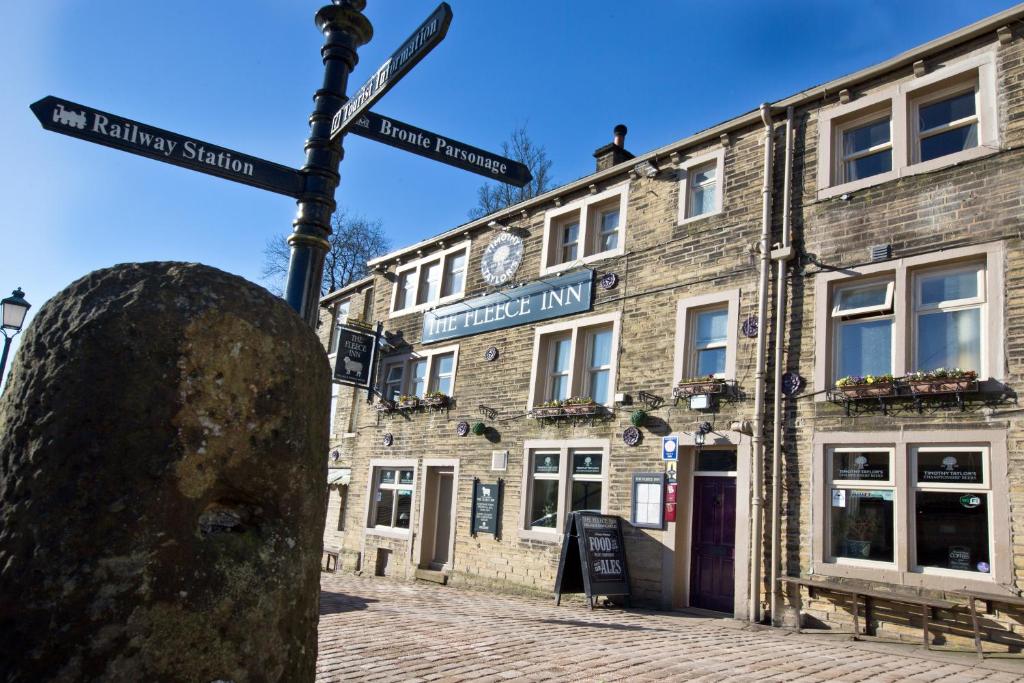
x=486 y=512
x=593 y=559
x=648 y=504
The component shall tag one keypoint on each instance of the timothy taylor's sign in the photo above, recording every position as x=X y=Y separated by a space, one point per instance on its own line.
x=538 y=301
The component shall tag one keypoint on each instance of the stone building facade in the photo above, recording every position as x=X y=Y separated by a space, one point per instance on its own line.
x=866 y=227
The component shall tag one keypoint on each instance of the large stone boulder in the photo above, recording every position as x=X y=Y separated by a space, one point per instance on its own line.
x=162 y=483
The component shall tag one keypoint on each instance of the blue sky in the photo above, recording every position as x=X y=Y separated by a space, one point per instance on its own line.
x=241 y=74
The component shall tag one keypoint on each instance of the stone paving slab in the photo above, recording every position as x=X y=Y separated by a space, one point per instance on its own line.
x=374 y=629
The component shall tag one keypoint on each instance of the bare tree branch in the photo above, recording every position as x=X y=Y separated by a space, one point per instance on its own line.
x=354 y=241
x=494 y=196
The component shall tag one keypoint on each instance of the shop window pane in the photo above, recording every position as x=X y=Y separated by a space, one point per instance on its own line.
x=946 y=111
x=956 y=140
x=711 y=362
x=867 y=136
x=952 y=530
x=957 y=467
x=949 y=340
x=586 y=463
x=855 y=298
x=544 y=503
x=586 y=495
x=716 y=461
x=946 y=287
x=404 y=509
x=387 y=476
x=385 y=504
x=860 y=466
x=865 y=348
x=862 y=524
x=405 y=476
x=869 y=165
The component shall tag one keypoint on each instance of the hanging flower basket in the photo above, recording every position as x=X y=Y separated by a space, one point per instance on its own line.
x=942 y=381
x=694 y=386
x=868 y=386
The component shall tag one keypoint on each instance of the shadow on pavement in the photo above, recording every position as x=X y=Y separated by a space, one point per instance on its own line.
x=335 y=603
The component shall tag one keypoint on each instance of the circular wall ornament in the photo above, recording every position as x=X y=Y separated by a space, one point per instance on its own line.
x=609 y=280
x=491 y=354
x=501 y=258
x=388 y=438
x=631 y=436
x=792 y=383
x=462 y=429
x=335 y=455
x=750 y=326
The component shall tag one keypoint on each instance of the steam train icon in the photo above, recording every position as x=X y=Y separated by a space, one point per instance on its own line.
x=75 y=119
x=352 y=367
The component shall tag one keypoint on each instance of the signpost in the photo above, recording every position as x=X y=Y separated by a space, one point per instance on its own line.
x=440 y=148
x=485 y=517
x=424 y=39
x=86 y=123
x=593 y=559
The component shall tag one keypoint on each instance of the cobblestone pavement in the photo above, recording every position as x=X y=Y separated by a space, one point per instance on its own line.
x=384 y=630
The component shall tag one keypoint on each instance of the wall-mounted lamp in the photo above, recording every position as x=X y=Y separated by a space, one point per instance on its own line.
x=646 y=169
x=703 y=428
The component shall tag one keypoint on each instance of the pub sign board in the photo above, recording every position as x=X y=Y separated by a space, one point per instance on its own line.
x=357 y=350
x=593 y=558
x=531 y=303
x=424 y=39
x=486 y=514
x=111 y=130
x=440 y=148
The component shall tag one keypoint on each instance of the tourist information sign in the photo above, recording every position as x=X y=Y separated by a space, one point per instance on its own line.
x=76 y=120
x=423 y=40
x=440 y=148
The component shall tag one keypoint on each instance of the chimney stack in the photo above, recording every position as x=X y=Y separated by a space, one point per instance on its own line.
x=615 y=153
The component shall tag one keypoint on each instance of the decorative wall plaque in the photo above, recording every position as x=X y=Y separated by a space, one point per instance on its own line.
x=792 y=383
x=388 y=438
x=491 y=354
x=750 y=326
x=609 y=280
x=501 y=258
x=631 y=436
x=462 y=429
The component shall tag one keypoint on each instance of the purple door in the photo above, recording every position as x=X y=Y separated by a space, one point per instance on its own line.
x=714 y=543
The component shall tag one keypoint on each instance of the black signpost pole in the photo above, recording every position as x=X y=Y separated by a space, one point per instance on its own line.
x=345 y=29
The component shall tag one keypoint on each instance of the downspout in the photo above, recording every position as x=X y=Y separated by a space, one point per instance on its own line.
x=757 y=476
x=781 y=257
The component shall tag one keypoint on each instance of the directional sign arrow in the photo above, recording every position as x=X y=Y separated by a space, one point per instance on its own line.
x=423 y=40
x=76 y=120
x=440 y=148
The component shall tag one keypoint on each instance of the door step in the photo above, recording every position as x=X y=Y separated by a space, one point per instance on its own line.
x=434 y=576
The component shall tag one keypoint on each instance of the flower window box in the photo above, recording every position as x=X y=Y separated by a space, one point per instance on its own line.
x=698 y=385
x=869 y=386
x=942 y=381
x=435 y=400
x=408 y=402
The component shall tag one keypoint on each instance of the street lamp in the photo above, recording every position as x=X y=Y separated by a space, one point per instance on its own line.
x=14 y=309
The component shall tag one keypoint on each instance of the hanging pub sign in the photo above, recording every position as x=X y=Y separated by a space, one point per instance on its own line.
x=593 y=559
x=528 y=304
x=357 y=351
x=485 y=516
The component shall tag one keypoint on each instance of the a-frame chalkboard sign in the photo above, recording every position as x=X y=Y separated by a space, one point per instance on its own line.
x=593 y=559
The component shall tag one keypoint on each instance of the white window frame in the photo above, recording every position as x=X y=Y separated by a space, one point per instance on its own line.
x=684 y=170
x=863 y=314
x=957 y=87
x=903 y=273
x=979 y=302
x=415 y=271
x=686 y=310
x=336 y=322
x=854 y=484
x=885 y=307
x=901 y=98
x=860 y=121
x=406 y=360
x=587 y=210
x=565 y=449
x=693 y=346
x=375 y=465
x=904 y=445
x=579 y=375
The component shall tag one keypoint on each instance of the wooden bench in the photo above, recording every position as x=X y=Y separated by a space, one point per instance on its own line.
x=331 y=553
x=972 y=598
x=926 y=604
